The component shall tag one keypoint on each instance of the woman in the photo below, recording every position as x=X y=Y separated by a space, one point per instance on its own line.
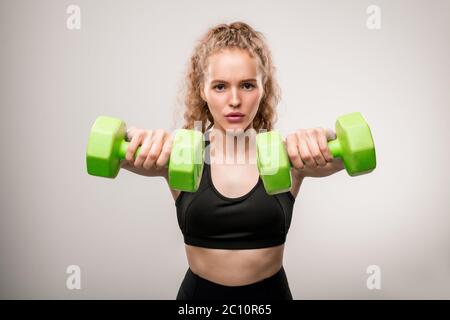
x=234 y=232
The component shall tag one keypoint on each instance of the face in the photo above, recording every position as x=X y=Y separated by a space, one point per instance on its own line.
x=232 y=84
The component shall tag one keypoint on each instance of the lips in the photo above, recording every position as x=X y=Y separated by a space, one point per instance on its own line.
x=234 y=114
x=234 y=117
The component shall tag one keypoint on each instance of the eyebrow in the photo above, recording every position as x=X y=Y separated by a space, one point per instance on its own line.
x=217 y=80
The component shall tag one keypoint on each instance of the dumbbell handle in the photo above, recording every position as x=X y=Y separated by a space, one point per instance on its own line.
x=123 y=150
x=333 y=145
x=335 y=148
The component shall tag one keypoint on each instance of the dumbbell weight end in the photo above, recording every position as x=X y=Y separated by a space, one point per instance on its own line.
x=107 y=147
x=354 y=145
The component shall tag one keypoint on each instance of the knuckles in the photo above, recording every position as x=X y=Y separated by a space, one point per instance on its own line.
x=294 y=156
x=298 y=166
x=142 y=155
x=145 y=139
x=152 y=156
x=311 y=132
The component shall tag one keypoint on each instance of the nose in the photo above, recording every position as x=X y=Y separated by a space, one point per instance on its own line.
x=235 y=99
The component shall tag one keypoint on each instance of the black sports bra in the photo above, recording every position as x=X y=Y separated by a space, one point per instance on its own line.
x=255 y=220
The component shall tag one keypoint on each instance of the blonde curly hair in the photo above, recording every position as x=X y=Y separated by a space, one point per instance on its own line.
x=235 y=35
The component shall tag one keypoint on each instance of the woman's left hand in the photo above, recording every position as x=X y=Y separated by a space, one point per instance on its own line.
x=309 y=153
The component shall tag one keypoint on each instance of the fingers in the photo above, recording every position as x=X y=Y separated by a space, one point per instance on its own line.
x=165 y=153
x=155 y=150
x=151 y=144
x=292 y=150
x=309 y=151
x=303 y=148
x=130 y=133
x=331 y=135
x=312 y=145
x=136 y=135
x=145 y=148
x=323 y=137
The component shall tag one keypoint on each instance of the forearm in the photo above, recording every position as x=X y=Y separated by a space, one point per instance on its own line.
x=162 y=172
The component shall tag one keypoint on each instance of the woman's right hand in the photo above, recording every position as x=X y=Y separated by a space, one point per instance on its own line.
x=156 y=146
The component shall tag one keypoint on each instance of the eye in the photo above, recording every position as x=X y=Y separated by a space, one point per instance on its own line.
x=220 y=85
x=248 y=84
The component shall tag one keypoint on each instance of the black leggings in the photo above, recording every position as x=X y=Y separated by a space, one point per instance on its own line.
x=194 y=287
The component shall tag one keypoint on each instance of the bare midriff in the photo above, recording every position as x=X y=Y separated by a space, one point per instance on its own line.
x=235 y=267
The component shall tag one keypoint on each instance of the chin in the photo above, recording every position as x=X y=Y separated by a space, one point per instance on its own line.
x=231 y=127
x=235 y=126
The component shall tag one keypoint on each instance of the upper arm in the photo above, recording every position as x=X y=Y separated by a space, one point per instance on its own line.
x=161 y=173
x=175 y=193
x=296 y=183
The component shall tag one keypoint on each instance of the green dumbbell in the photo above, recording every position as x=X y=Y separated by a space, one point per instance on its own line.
x=107 y=146
x=353 y=143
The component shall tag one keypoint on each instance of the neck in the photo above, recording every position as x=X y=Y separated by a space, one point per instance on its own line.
x=232 y=147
